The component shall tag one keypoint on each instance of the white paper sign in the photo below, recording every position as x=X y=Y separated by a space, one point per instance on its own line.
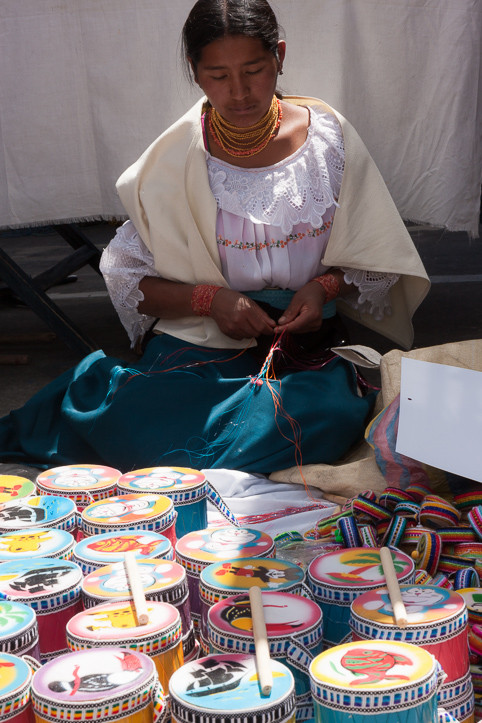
x=441 y=417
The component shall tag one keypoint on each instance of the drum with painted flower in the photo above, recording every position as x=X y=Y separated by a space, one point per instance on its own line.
x=36 y=542
x=82 y=483
x=226 y=688
x=437 y=622
x=108 y=684
x=15 y=681
x=100 y=550
x=18 y=629
x=201 y=548
x=376 y=680
x=14 y=488
x=130 y=512
x=339 y=577
x=231 y=577
x=291 y=621
x=186 y=487
x=52 y=588
x=116 y=623
x=162 y=580
x=39 y=511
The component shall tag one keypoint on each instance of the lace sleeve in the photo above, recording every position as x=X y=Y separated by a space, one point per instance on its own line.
x=125 y=261
x=373 y=288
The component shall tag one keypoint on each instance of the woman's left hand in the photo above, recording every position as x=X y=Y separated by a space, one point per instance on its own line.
x=305 y=312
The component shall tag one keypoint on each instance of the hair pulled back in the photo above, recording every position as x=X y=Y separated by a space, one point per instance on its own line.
x=213 y=19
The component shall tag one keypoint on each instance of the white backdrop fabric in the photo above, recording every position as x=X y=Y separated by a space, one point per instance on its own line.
x=86 y=85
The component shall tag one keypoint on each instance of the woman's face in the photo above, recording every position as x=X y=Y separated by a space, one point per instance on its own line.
x=238 y=76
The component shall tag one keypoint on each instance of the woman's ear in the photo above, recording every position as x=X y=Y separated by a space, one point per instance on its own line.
x=281 y=53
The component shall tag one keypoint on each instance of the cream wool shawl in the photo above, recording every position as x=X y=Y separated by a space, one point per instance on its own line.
x=167 y=196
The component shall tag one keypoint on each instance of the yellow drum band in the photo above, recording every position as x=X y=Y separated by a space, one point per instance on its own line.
x=141 y=716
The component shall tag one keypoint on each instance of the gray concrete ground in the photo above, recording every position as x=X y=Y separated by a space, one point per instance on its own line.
x=451 y=312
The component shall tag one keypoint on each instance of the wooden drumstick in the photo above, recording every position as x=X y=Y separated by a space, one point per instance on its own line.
x=137 y=590
x=263 y=660
x=399 y=610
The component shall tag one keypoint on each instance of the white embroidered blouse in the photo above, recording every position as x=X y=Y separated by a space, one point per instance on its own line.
x=272 y=228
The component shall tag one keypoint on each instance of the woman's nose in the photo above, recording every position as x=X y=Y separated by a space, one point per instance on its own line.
x=239 y=88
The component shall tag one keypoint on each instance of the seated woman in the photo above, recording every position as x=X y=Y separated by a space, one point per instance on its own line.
x=250 y=218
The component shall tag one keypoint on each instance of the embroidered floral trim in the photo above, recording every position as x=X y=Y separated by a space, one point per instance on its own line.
x=273 y=243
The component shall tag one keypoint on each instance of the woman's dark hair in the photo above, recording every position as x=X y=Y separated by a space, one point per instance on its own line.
x=213 y=19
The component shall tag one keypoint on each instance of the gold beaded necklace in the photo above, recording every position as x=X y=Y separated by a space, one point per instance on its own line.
x=236 y=141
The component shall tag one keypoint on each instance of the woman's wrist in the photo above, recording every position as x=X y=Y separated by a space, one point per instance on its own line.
x=330 y=284
x=202 y=298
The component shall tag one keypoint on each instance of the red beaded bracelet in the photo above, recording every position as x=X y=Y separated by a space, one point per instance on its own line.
x=330 y=284
x=202 y=298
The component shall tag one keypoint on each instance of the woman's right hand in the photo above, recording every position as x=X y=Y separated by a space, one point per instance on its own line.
x=239 y=317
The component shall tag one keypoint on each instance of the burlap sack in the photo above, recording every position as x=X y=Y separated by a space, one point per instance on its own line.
x=359 y=471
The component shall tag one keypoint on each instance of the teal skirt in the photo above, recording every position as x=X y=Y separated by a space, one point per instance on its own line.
x=187 y=406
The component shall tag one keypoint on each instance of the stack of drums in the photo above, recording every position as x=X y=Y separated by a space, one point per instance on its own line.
x=13 y=488
x=15 y=682
x=162 y=580
x=130 y=512
x=337 y=578
x=437 y=622
x=52 y=588
x=39 y=511
x=36 y=542
x=100 y=550
x=107 y=684
x=82 y=483
x=379 y=681
x=224 y=579
x=116 y=624
x=18 y=629
x=226 y=688
x=200 y=548
x=186 y=487
x=293 y=624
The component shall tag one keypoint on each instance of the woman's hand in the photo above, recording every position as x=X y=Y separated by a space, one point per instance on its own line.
x=305 y=312
x=239 y=317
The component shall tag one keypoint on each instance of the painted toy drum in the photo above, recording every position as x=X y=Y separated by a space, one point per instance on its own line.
x=116 y=624
x=375 y=680
x=224 y=579
x=437 y=621
x=186 y=487
x=39 y=511
x=130 y=512
x=339 y=577
x=83 y=483
x=162 y=580
x=226 y=688
x=36 y=542
x=13 y=488
x=201 y=548
x=18 y=629
x=100 y=550
x=52 y=588
x=107 y=684
x=15 y=681
x=291 y=620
